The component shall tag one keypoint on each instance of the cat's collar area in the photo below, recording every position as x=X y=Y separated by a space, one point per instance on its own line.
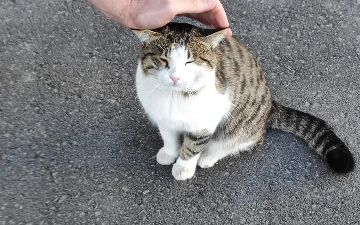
x=188 y=94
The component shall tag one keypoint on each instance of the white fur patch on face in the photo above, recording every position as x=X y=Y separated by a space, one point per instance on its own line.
x=183 y=75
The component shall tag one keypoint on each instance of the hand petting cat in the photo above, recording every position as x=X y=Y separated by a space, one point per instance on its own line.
x=150 y=14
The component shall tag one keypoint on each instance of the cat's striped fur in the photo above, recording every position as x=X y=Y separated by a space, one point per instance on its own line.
x=182 y=66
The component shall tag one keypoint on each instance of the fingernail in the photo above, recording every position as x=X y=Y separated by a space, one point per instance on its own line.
x=228 y=33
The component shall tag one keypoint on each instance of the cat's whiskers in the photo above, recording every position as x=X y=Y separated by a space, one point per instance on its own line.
x=155 y=86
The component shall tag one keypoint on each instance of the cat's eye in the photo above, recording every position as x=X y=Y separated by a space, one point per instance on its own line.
x=188 y=62
x=165 y=61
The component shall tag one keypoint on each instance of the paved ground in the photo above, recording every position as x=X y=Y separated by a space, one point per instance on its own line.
x=76 y=147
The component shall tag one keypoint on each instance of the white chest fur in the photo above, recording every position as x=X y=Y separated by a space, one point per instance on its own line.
x=167 y=107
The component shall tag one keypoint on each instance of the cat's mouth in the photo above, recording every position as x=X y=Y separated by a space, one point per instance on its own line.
x=178 y=87
x=183 y=85
x=187 y=89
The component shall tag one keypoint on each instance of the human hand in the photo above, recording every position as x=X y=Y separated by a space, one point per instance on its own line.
x=150 y=14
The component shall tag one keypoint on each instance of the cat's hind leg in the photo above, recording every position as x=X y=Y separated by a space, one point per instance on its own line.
x=220 y=149
x=213 y=154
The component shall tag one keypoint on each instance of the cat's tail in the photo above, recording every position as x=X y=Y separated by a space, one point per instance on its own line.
x=316 y=132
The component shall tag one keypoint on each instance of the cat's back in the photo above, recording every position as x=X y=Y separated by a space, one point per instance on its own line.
x=239 y=75
x=238 y=71
x=235 y=60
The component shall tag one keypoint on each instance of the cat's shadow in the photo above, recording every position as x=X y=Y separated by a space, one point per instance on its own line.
x=283 y=156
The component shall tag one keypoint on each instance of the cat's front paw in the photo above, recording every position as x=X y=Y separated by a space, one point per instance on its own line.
x=182 y=173
x=164 y=158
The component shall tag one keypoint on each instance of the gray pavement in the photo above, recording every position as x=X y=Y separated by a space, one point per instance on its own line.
x=76 y=147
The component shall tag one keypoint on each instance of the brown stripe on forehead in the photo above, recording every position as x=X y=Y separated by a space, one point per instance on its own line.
x=149 y=63
x=166 y=52
x=148 y=67
x=157 y=62
x=187 y=40
x=151 y=52
x=207 y=62
x=200 y=51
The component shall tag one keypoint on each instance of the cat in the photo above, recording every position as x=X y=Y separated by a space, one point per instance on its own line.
x=209 y=99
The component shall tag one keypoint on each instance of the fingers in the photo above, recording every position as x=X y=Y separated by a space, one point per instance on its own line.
x=209 y=13
x=113 y=9
x=149 y=14
x=200 y=18
x=192 y=6
x=204 y=20
x=163 y=11
x=218 y=18
x=154 y=14
x=215 y=17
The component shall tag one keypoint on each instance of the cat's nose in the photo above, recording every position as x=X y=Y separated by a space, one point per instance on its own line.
x=174 y=79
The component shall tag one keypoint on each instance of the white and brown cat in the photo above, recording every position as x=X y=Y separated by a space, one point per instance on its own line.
x=210 y=99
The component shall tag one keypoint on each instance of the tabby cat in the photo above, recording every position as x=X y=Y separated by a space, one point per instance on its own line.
x=209 y=98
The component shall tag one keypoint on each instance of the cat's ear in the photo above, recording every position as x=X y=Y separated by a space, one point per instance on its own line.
x=215 y=38
x=146 y=36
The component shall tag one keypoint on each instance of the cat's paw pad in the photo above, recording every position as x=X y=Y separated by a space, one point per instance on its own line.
x=182 y=173
x=163 y=158
x=207 y=161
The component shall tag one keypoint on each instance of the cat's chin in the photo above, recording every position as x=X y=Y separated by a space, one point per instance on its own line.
x=179 y=88
x=184 y=90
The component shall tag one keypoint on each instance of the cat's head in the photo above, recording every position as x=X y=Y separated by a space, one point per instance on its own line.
x=180 y=56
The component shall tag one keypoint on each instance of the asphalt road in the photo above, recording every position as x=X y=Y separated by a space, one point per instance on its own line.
x=76 y=147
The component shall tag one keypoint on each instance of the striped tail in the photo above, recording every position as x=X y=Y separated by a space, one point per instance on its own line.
x=317 y=133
